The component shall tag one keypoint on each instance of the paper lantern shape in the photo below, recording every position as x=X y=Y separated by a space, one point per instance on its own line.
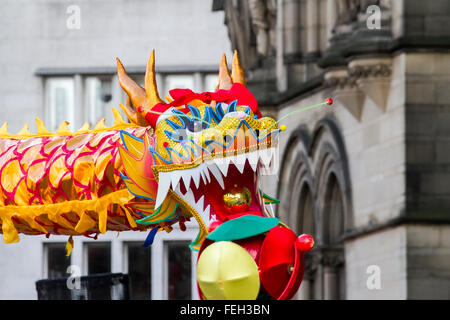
x=226 y=271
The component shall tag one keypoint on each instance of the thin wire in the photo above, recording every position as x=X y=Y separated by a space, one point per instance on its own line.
x=194 y=117
x=281 y=119
x=297 y=111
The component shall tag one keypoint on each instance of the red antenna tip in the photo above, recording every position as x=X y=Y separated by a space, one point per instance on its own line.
x=329 y=101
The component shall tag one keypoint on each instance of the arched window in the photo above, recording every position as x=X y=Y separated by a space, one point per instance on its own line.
x=333 y=251
x=334 y=211
x=315 y=193
x=306 y=224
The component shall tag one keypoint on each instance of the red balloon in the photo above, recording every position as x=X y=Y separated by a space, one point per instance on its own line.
x=305 y=242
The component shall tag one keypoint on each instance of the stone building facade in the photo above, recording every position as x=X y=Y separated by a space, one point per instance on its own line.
x=369 y=176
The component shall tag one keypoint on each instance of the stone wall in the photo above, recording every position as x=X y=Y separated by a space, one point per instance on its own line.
x=427 y=135
x=388 y=141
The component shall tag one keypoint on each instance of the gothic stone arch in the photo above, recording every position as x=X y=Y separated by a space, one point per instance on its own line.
x=315 y=168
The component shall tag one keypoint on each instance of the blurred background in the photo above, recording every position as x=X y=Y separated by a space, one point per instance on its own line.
x=368 y=178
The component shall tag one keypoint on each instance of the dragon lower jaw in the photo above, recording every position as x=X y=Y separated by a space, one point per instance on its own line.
x=225 y=187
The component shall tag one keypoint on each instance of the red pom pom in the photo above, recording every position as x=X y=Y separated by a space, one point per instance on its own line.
x=213 y=225
x=329 y=101
x=139 y=109
x=305 y=242
x=165 y=144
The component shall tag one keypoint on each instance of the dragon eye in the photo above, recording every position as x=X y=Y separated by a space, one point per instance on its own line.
x=227 y=138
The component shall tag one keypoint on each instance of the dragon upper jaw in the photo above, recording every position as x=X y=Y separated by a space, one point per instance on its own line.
x=203 y=186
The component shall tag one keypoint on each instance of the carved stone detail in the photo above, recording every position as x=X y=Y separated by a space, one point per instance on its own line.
x=373 y=77
x=332 y=257
x=263 y=14
x=340 y=82
x=347 y=11
x=367 y=71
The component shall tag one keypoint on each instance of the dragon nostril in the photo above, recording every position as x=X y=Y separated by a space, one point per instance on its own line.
x=227 y=138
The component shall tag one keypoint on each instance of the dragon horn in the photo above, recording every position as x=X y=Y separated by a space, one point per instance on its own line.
x=132 y=115
x=225 y=81
x=136 y=95
x=150 y=82
x=237 y=74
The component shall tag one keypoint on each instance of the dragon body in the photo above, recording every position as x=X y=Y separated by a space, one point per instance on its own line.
x=198 y=155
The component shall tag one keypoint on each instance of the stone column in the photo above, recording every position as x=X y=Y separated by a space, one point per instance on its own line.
x=330 y=283
x=332 y=259
x=291 y=15
x=331 y=17
x=280 y=67
x=304 y=293
x=312 y=23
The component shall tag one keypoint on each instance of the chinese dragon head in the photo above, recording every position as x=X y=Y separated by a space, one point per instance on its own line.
x=195 y=155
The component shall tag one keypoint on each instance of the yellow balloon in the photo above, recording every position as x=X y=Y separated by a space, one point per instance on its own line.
x=226 y=271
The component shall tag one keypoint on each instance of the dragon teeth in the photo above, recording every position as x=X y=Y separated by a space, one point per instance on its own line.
x=205 y=174
x=216 y=173
x=163 y=187
x=261 y=161
x=175 y=177
x=223 y=164
x=199 y=204
x=266 y=157
x=186 y=180
x=239 y=162
x=268 y=162
x=196 y=176
x=253 y=160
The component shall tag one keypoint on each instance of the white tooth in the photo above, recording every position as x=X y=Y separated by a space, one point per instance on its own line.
x=203 y=176
x=205 y=214
x=175 y=177
x=223 y=164
x=274 y=161
x=216 y=173
x=206 y=174
x=265 y=156
x=196 y=176
x=199 y=204
x=186 y=180
x=163 y=188
x=207 y=210
x=253 y=160
x=239 y=162
x=189 y=197
x=271 y=167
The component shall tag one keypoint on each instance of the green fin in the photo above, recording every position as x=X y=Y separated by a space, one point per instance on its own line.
x=243 y=227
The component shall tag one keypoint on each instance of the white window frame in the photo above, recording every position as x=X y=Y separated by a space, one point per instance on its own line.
x=187 y=78
x=210 y=81
x=45 y=248
x=52 y=83
x=166 y=268
x=86 y=244
x=89 y=112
